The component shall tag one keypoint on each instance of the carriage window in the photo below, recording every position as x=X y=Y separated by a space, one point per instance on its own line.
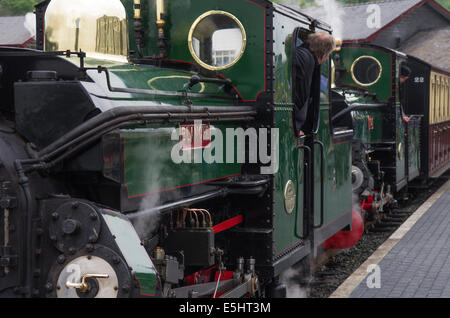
x=217 y=40
x=366 y=70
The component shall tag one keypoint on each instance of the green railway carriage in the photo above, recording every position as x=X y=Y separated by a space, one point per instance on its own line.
x=149 y=150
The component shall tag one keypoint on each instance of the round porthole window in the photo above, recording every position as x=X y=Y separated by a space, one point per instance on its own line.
x=217 y=40
x=366 y=70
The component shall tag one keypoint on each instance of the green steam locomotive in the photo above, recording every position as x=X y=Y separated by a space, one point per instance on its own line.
x=148 y=150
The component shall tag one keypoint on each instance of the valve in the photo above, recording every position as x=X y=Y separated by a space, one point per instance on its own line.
x=83 y=286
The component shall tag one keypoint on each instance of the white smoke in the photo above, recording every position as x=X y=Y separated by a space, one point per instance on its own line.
x=146 y=224
x=356 y=205
x=333 y=16
x=290 y=278
x=30 y=23
x=290 y=2
x=327 y=11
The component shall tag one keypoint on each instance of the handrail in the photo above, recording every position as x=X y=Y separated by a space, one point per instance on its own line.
x=355 y=107
x=307 y=185
x=322 y=183
x=101 y=69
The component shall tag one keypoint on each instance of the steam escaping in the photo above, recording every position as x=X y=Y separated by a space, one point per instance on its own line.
x=30 y=23
x=290 y=2
x=333 y=15
x=327 y=11
x=356 y=204
x=146 y=224
x=291 y=279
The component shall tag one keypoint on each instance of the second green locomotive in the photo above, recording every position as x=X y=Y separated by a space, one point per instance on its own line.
x=400 y=108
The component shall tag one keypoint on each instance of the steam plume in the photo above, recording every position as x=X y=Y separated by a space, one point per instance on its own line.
x=290 y=278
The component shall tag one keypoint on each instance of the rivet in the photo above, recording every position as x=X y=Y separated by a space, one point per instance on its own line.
x=61 y=259
x=49 y=287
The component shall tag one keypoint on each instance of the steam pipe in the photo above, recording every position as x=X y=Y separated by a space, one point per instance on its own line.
x=111 y=118
x=88 y=139
x=120 y=114
x=26 y=269
x=182 y=203
x=101 y=69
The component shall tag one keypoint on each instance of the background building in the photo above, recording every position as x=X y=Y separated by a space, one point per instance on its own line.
x=17 y=31
x=417 y=27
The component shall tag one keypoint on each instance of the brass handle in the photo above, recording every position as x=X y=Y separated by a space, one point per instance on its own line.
x=83 y=286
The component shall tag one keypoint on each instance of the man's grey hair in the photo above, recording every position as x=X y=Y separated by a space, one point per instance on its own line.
x=321 y=44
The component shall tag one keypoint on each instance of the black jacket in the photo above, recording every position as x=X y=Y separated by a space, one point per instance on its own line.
x=306 y=77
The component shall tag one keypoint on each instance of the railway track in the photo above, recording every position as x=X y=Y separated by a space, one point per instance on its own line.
x=333 y=267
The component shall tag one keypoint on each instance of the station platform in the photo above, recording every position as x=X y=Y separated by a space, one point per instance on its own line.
x=414 y=262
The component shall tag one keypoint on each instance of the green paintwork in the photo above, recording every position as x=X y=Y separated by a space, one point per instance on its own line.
x=181 y=14
x=288 y=228
x=383 y=87
x=134 y=253
x=337 y=174
x=368 y=126
x=139 y=144
x=369 y=123
x=136 y=76
x=148 y=172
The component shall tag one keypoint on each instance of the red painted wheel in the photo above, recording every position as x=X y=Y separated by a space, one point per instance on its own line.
x=347 y=239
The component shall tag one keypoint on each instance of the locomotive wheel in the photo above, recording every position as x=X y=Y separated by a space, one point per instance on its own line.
x=359 y=181
x=361 y=176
